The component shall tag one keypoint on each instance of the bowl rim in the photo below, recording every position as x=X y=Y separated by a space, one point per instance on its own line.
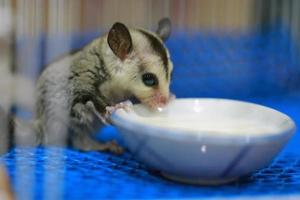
x=154 y=131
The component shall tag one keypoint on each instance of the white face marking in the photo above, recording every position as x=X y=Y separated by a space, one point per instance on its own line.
x=127 y=75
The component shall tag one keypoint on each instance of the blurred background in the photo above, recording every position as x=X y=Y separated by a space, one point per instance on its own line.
x=239 y=49
x=249 y=46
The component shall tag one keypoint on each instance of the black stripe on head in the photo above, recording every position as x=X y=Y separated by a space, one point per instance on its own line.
x=158 y=48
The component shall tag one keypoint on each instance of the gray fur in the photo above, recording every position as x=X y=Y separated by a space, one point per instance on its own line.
x=73 y=93
x=68 y=99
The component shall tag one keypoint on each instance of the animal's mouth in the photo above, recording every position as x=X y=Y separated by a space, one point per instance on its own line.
x=135 y=100
x=153 y=102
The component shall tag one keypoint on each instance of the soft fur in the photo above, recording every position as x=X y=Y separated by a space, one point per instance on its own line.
x=73 y=92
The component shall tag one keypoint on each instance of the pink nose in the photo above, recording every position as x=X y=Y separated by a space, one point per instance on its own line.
x=163 y=100
x=159 y=100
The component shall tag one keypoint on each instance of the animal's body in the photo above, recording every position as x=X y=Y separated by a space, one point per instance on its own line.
x=74 y=92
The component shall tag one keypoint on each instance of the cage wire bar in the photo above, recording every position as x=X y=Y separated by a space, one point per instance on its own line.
x=34 y=32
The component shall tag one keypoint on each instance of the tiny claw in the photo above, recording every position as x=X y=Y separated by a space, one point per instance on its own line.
x=126 y=105
x=115 y=148
x=90 y=105
x=92 y=108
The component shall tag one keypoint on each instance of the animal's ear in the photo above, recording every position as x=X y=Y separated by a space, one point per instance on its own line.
x=119 y=40
x=164 y=28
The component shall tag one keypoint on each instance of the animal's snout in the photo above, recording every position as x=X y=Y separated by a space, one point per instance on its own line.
x=159 y=100
x=163 y=100
x=166 y=99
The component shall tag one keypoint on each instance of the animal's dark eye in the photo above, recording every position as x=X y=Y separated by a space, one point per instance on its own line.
x=150 y=79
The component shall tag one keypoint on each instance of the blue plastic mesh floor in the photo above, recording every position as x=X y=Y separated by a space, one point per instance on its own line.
x=251 y=67
x=97 y=175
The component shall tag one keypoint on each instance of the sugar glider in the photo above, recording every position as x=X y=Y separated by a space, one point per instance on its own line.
x=76 y=92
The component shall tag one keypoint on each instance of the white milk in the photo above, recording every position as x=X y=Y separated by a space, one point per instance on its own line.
x=217 y=126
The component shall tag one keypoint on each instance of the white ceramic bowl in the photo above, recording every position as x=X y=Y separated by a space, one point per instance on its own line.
x=206 y=141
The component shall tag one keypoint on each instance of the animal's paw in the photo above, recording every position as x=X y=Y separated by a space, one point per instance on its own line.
x=88 y=144
x=87 y=113
x=91 y=107
x=83 y=114
x=114 y=147
x=126 y=105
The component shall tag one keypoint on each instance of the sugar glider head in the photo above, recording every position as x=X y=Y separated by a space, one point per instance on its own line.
x=142 y=62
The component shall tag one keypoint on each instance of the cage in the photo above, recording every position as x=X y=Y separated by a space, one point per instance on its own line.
x=237 y=49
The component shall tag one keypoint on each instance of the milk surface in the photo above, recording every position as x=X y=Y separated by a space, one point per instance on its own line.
x=215 y=126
